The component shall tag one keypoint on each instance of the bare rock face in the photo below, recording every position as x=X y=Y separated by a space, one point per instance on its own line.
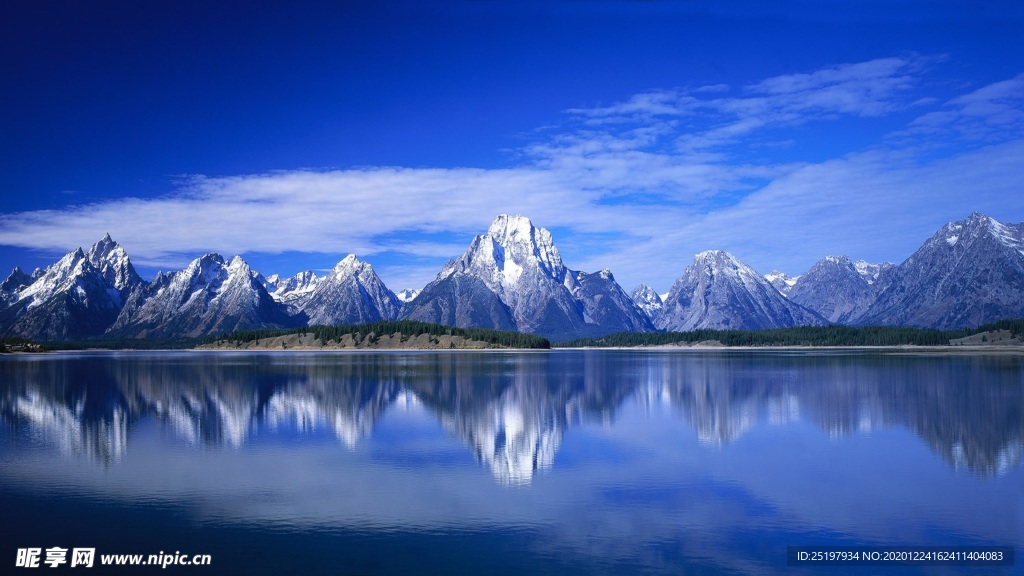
x=837 y=289
x=969 y=273
x=718 y=291
x=607 y=305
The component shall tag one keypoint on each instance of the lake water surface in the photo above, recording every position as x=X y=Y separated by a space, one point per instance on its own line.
x=561 y=462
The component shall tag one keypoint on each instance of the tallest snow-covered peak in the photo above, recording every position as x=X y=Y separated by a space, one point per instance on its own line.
x=348 y=266
x=513 y=277
x=524 y=244
x=507 y=228
x=111 y=259
x=512 y=253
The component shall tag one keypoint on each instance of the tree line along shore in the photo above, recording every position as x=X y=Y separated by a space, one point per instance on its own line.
x=421 y=335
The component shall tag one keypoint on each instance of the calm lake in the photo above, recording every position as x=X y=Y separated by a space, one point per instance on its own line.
x=560 y=462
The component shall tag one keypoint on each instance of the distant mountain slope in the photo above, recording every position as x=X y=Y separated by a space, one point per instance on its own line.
x=647 y=300
x=835 y=289
x=719 y=291
x=608 y=306
x=969 y=273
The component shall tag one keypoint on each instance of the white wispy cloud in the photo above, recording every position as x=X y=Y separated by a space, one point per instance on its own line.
x=864 y=89
x=638 y=186
x=992 y=112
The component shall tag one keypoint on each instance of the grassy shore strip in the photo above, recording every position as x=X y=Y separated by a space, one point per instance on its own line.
x=380 y=334
x=823 y=336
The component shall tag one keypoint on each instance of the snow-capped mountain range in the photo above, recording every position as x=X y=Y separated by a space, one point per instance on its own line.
x=513 y=278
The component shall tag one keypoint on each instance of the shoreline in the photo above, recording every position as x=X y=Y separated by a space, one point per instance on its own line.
x=905 y=348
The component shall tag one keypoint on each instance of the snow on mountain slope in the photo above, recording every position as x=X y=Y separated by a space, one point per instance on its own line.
x=209 y=296
x=78 y=296
x=351 y=293
x=649 y=301
x=971 y=272
x=522 y=270
x=718 y=291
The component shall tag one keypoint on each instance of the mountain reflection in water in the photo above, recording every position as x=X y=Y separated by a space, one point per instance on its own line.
x=513 y=409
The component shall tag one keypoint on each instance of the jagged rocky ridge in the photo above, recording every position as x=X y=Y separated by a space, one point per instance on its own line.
x=78 y=296
x=513 y=278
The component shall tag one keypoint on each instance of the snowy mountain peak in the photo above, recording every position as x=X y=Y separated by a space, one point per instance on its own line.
x=717 y=259
x=644 y=293
x=408 y=294
x=719 y=291
x=351 y=294
x=60 y=276
x=15 y=280
x=513 y=277
x=870 y=272
x=716 y=262
x=783 y=282
x=209 y=296
x=977 y=225
x=647 y=300
x=349 y=260
x=111 y=259
x=518 y=243
x=348 y=266
x=711 y=255
x=71 y=298
x=104 y=246
x=840 y=260
x=507 y=228
x=205 y=270
x=238 y=264
x=352 y=267
x=513 y=256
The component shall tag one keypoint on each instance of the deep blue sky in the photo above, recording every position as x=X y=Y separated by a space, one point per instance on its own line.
x=638 y=132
